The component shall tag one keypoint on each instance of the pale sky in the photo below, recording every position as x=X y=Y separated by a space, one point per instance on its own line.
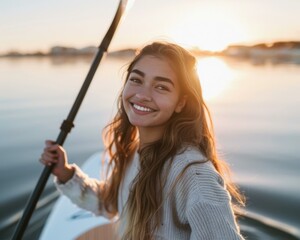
x=208 y=24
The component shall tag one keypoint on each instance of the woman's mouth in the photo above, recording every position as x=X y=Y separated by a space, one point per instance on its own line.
x=142 y=108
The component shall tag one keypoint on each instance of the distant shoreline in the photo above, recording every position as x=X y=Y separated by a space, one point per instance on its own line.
x=62 y=51
x=282 y=51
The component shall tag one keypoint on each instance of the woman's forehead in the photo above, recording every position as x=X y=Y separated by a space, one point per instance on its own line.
x=153 y=65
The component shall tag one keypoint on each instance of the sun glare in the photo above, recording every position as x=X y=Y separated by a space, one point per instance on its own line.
x=208 y=30
x=215 y=76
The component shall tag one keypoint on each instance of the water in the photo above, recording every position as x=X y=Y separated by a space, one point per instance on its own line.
x=255 y=108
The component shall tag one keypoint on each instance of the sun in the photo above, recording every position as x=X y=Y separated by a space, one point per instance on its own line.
x=208 y=31
x=210 y=36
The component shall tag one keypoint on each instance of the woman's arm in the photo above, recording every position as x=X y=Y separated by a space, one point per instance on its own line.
x=72 y=182
x=212 y=221
x=207 y=204
x=84 y=191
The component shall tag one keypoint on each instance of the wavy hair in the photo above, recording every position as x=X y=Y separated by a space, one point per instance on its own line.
x=191 y=127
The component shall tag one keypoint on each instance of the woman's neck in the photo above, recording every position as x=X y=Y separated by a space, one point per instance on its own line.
x=149 y=135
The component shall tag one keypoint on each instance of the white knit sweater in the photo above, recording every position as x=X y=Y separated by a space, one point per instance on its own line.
x=198 y=207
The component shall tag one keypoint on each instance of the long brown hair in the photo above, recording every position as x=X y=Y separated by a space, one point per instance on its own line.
x=192 y=126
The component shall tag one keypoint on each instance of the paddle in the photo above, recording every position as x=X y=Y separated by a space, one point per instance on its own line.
x=68 y=123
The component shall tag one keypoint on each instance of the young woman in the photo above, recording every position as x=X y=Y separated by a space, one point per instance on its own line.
x=166 y=180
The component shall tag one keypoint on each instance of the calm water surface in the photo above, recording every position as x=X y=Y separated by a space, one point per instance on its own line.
x=255 y=108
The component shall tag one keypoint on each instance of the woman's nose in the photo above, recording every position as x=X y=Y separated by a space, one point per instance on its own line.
x=144 y=95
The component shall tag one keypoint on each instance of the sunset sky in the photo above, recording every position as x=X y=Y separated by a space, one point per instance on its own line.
x=208 y=24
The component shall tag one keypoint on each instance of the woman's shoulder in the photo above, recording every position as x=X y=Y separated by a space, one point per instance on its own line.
x=196 y=175
x=190 y=151
x=191 y=158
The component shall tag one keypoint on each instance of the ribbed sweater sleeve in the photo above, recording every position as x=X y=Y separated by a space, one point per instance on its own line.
x=212 y=222
x=84 y=191
x=202 y=201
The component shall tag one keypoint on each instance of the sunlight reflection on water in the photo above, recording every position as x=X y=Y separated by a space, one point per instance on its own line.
x=215 y=76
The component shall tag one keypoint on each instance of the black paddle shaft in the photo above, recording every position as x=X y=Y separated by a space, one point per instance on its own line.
x=68 y=123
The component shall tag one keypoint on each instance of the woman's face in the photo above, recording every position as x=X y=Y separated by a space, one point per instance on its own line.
x=151 y=94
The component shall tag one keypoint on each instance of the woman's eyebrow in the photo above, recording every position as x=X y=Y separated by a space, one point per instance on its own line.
x=138 y=72
x=164 y=79
x=157 y=78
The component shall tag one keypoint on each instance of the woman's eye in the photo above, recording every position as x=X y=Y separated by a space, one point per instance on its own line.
x=161 y=87
x=135 y=80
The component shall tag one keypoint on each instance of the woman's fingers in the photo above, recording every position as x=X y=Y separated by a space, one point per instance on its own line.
x=42 y=161
x=51 y=147
x=51 y=153
x=47 y=158
x=49 y=142
x=50 y=156
x=54 y=148
x=55 y=154
x=54 y=151
x=46 y=162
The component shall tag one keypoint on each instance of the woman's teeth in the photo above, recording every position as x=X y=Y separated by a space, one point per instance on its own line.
x=143 y=109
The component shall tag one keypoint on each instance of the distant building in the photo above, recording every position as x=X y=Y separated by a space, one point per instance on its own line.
x=58 y=50
x=278 y=50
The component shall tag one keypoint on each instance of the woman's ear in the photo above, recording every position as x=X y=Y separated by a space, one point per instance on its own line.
x=181 y=103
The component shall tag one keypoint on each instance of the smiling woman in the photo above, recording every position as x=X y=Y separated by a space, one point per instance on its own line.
x=161 y=152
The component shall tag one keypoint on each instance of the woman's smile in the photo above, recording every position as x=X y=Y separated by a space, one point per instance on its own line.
x=140 y=108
